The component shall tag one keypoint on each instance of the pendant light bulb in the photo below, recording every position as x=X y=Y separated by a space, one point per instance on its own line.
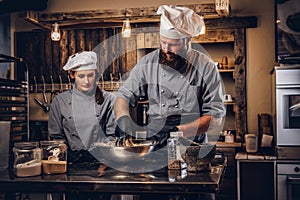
x=55 y=32
x=222 y=7
x=126 y=29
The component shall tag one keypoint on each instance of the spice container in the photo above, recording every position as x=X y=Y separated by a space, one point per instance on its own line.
x=54 y=159
x=27 y=159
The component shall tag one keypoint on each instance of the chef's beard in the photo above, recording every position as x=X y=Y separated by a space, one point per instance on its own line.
x=176 y=61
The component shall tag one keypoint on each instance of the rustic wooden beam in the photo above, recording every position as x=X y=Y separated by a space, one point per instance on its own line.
x=118 y=14
x=240 y=82
x=231 y=22
x=100 y=20
x=136 y=15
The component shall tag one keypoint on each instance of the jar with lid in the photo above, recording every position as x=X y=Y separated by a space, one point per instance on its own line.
x=27 y=159
x=54 y=159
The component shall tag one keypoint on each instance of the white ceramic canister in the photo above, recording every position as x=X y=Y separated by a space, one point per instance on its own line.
x=251 y=143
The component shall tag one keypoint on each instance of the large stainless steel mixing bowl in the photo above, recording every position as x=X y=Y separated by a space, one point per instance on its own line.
x=136 y=159
x=125 y=154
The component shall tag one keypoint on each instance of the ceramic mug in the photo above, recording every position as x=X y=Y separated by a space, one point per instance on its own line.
x=227 y=97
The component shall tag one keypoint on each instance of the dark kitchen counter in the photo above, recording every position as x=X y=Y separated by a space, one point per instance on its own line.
x=113 y=181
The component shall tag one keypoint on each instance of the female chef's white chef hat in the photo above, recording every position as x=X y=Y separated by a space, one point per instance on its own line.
x=85 y=60
x=179 y=22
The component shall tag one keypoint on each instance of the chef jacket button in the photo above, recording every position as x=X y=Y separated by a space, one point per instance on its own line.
x=98 y=115
x=162 y=91
x=163 y=105
x=176 y=93
x=176 y=106
x=69 y=103
x=70 y=117
x=164 y=75
x=181 y=77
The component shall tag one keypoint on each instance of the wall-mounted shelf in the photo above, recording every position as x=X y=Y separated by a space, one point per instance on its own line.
x=226 y=70
x=231 y=71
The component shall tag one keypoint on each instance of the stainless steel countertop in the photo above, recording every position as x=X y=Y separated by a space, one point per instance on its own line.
x=113 y=181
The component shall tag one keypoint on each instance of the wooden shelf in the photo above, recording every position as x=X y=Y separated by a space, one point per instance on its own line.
x=229 y=102
x=226 y=70
x=229 y=144
x=229 y=71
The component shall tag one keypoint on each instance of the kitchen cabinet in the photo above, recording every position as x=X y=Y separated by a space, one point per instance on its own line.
x=228 y=188
x=256 y=178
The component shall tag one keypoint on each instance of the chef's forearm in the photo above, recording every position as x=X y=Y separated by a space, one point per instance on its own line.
x=121 y=107
x=200 y=125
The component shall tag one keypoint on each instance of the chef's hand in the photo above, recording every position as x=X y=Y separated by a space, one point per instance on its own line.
x=163 y=136
x=125 y=127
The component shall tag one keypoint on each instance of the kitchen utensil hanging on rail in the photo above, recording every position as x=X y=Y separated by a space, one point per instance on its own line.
x=44 y=105
x=53 y=92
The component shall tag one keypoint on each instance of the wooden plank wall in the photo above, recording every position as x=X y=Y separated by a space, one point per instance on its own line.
x=47 y=58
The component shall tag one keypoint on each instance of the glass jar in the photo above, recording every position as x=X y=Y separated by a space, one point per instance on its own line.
x=54 y=159
x=27 y=159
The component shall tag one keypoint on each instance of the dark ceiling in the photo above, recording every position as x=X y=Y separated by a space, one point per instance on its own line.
x=11 y=6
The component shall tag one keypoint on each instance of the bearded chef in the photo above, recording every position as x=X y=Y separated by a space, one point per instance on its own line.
x=183 y=86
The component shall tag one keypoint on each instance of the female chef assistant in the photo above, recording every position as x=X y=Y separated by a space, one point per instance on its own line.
x=83 y=115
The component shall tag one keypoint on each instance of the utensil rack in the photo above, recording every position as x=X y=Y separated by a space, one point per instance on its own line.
x=14 y=104
x=60 y=87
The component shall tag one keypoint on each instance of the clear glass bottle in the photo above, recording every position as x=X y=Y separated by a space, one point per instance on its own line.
x=54 y=159
x=174 y=156
x=27 y=159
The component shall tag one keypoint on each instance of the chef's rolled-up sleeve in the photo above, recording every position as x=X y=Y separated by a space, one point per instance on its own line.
x=134 y=86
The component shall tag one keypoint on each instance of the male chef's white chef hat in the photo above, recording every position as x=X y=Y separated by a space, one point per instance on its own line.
x=85 y=60
x=179 y=22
